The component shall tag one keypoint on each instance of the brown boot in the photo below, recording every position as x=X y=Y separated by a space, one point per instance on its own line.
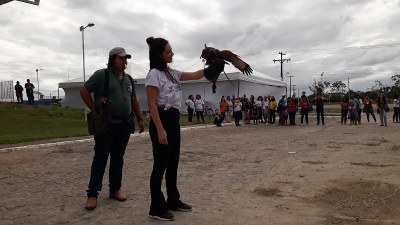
x=91 y=203
x=118 y=195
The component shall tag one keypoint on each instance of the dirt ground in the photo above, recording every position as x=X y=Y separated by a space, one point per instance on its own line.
x=262 y=174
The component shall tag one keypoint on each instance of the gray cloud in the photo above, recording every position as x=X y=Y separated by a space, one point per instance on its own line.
x=317 y=35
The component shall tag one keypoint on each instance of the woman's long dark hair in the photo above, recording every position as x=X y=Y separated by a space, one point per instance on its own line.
x=379 y=99
x=156 y=48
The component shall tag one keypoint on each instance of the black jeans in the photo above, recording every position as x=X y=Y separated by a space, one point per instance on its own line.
x=260 y=115
x=112 y=143
x=304 y=113
x=166 y=160
x=343 y=119
x=370 y=111
x=190 y=114
x=271 y=116
x=237 y=115
x=320 y=114
x=292 y=118
x=200 y=113
x=31 y=98
x=396 y=111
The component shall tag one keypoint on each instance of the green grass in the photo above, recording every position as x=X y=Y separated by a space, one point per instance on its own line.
x=24 y=123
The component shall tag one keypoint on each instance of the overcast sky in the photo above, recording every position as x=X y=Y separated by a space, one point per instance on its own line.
x=359 y=39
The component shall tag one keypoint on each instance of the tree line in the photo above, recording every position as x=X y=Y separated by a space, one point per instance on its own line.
x=338 y=90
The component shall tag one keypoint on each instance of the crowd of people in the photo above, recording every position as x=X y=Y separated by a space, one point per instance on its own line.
x=266 y=109
x=352 y=109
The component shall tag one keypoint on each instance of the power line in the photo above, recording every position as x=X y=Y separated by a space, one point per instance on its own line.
x=281 y=61
x=349 y=48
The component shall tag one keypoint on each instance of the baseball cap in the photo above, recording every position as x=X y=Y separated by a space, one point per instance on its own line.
x=120 y=52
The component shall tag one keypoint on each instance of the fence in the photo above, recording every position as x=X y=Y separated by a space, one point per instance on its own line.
x=7 y=91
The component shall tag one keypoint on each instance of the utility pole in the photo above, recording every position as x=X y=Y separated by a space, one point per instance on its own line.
x=281 y=61
x=294 y=91
x=322 y=84
x=290 y=85
x=348 y=85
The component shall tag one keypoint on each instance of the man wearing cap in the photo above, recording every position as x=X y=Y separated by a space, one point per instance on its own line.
x=119 y=104
x=29 y=92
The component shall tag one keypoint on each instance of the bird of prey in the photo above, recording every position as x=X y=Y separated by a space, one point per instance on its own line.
x=213 y=55
x=210 y=54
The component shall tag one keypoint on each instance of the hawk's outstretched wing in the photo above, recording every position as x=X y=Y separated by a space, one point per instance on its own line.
x=236 y=61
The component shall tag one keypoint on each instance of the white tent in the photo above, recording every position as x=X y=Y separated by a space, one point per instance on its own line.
x=258 y=84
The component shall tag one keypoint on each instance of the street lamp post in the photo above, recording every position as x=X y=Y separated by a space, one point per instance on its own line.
x=290 y=85
x=82 y=29
x=37 y=77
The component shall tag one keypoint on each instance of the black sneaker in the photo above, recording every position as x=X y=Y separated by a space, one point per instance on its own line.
x=181 y=207
x=164 y=216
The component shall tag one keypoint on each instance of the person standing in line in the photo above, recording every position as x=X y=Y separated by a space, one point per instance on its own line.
x=119 y=104
x=246 y=106
x=229 y=108
x=304 y=109
x=353 y=114
x=368 y=108
x=254 y=114
x=222 y=108
x=382 y=109
x=237 y=111
x=164 y=94
x=296 y=103
x=259 y=103
x=199 y=108
x=344 y=111
x=265 y=110
x=18 y=92
x=360 y=107
x=29 y=92
x=291 y=105
x=396 y=109
x=319 y=103
x=272 y=110
x=282 y=111
x=190 y=108
x=252 y=100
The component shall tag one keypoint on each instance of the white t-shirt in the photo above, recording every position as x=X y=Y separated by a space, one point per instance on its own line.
x=266 y=104
x=169 y=94
x=361 y=103
x=395 y=103
x=198 y=104
x=190 y=103
x=238 y=106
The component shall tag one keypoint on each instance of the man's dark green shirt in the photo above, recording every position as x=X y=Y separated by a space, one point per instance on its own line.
x=120 y=93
